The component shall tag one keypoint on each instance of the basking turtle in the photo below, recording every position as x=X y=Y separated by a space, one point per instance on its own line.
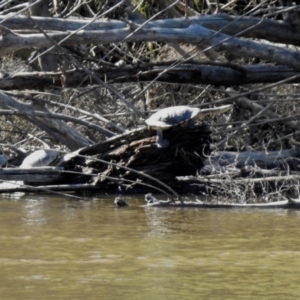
x=40 y=158
x=175 y=115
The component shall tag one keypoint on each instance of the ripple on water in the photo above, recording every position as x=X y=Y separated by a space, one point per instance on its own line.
x=57 y=248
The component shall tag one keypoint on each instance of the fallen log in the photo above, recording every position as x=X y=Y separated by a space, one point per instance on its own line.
x=137 y=150
x=232 y=174
x=153 y=202
x=188 y=73
x=37 y=175
x=132 y=162
x=285 y=204
x=283 y=159
x=13 y=187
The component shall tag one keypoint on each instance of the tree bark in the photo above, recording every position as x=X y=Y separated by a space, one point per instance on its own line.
x=193 y=34
x=275 y=31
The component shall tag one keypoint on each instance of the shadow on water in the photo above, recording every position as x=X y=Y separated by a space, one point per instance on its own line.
x=59 y=248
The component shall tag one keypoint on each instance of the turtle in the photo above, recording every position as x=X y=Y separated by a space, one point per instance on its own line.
x=40 y=158
x=120 y=203
x=174 y=115
x=150 y=199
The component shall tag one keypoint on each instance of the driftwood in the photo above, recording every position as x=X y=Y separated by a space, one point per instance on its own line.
x=131 y=162
x=193 y=34
x=121 y=161
x=188 y=73
x=284 y=159
x=37 y=175
x=135 y=150
x=275 y=31
x=241 y=174
x=190 y=30
x=295 y=204
x=56 y=128
x=138 y=150
x=153 y=202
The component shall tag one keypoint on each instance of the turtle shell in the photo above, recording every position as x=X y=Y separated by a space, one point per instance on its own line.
x=40 y=158
x=171 y=116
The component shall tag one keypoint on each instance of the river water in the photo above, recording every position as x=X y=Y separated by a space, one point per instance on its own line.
x=57 y=248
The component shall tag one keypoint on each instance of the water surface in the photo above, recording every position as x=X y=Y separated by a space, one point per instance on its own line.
x=57 y=248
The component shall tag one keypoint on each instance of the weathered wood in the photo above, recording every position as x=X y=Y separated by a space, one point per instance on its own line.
x=276 y=31
x=9 y=187
x=138 y=150
x=285 y=204
x=194 y=34
x=243 y=101
x=51 y=115
x=58 y=130
x=100 y=166
x=36 y=175
x=188 y=73
x=47 y=61
x=237 y=187
x=287 y=158
x=228 y=180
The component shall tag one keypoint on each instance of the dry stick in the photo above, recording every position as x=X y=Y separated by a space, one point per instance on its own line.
x=74 y=9
x=81 y=66
x=90 y=10
x=46 y=146
x=61 y=15
x=6 y=11
x=284 y=120
x=279 y=11
x=229 y=3
x=175 y=64
x=261 y=147
x=249 y=180
x=76 y=139
x=20 y=11
x=121 y=179
x=93 y=115
x=186 y=9
x=145 y=22
x=255 y=106
x=5 y=3
x=211 y=54
x=14 y=148
x=134 y=171
x=243 y=125
x=15 y=14
x=31 y=136
x=114 y=179
x=258 y=89
x=51 y=188
x=138 y=27
x=61 y=117
x=141 y=19
x=43 y=189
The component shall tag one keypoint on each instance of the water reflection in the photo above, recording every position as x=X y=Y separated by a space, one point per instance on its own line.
x=58 y=248
x=157 y=222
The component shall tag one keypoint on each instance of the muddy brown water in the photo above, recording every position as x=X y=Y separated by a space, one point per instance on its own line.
x=57 y=248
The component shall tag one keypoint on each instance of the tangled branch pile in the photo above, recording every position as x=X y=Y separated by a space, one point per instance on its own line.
x=76 y=73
